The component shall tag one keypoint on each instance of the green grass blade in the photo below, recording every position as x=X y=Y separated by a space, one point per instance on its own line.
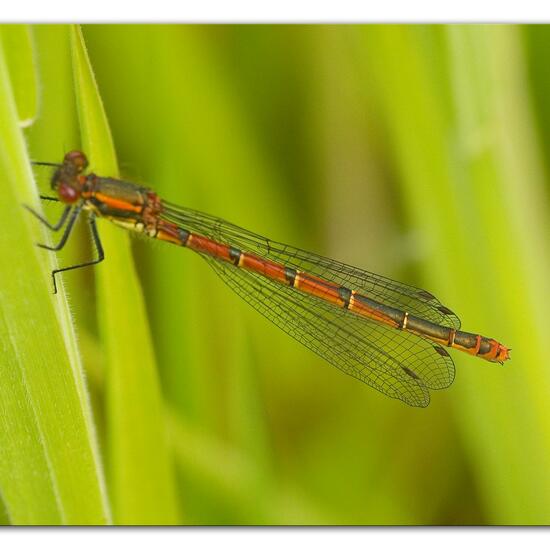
x=513 y=273
x=141 y=476
x=471 y=183
x=20 y=60
x=185 y=122
x=49 y=467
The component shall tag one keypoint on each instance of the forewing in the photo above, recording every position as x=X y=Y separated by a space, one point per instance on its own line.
x=382 y=289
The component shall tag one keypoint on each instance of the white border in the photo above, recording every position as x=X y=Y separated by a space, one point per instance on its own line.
x=252 y=11
x=276 y=538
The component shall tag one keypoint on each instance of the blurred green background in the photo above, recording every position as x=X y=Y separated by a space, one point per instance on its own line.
x=416 y=152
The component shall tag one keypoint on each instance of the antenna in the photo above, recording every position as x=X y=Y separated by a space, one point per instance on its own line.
x=54 y=164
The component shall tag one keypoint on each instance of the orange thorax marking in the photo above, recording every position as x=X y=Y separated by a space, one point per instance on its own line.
x=118 y=204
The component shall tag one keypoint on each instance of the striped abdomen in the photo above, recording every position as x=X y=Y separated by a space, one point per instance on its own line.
x=339 y=296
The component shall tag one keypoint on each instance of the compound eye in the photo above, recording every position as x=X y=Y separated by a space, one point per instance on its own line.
x=77 y=159
x=67 y=193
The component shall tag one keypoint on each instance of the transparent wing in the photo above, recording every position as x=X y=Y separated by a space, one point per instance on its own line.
x=382 y=289
x=399 y=364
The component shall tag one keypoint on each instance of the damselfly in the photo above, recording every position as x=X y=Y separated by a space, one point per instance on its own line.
x=387 y=334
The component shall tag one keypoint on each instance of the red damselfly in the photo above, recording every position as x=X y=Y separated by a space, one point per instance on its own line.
x=387 y=334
